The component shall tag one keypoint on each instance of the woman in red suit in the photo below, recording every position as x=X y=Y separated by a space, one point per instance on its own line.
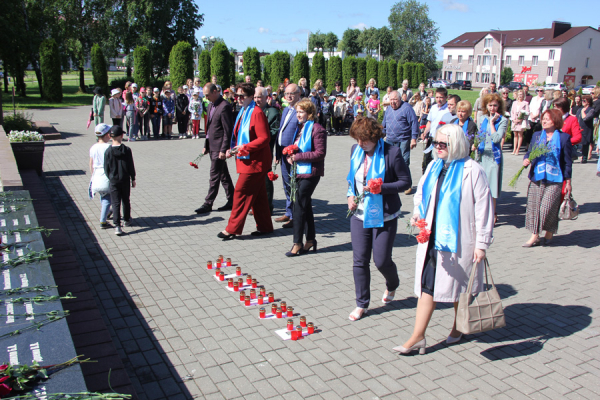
x=250 y=146
x=570 y=124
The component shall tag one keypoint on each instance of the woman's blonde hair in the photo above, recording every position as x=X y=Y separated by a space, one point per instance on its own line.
x=464 y=105
x=374 y=81
x=301 y=80
x=549 y=95
x=557 y=94
x=308 y=107
x=318 y=84
x=458 y=144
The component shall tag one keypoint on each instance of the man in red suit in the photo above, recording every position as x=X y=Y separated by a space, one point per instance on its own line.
x=250 y=146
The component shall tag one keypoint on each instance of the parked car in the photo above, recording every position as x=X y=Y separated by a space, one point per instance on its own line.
x=460 y=85
x=513 y=86
x=555 y=86
x=588 y=89
x=441 y=83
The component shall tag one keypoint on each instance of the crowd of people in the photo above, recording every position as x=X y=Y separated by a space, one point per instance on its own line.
x=288 y=128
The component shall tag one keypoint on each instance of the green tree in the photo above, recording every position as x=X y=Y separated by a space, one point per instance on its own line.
x=301 y=69
x=334 y=73
x=506 y=76
x=422 y=74
x=392 y=74
x=369 y=41
x=252 y=64
x=415 y=34
x=331 y=42
x=142 y=66
x=267 y=72
x=280 y=67
x=318 y=69
x=408 y=70
x=348 y=70
x=372 y=70
x=317 y=40
x=51 y=73
x=350 y=42
x=382 y=75
x=233 y=69
x=181 y=63
x=400 y=74
x=99 y=68
x=219 y=64
x=361 y=73
x=385 y=40
x=204 y=66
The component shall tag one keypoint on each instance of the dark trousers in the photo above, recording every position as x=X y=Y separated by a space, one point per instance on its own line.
x=182 y=123
x=117 y=121
x=404 y=145
x=250 y=193
x=145 y=125
x=285 y=177
x=327 y=122
x=219 y=175
x=304 y=219
x=337 y=124
x=270 y=192
x=380 y=241
x=156 y=118
x=427 y=157
x=119 y=193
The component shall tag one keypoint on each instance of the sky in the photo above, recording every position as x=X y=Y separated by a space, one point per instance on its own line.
x=280 y=25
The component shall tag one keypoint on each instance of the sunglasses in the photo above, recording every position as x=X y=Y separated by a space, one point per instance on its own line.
x=440 y=145
x=240 y=96
x=539 y=90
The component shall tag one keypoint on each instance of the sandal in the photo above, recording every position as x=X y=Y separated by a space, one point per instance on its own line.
x=357 y=314
x=386 y=299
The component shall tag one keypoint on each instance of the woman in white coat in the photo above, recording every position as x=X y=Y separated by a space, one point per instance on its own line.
x=454 y=198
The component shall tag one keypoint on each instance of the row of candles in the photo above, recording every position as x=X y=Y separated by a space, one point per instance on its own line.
x=279 y=312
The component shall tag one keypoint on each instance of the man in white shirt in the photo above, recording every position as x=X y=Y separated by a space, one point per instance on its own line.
x=535 y=106
x=437 y=114
x=405 y=90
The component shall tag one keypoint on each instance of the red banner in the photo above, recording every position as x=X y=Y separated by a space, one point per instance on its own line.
x=569 y=81
x=519 y=78
x=531 y=78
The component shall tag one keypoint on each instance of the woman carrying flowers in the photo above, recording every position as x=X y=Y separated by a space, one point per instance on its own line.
x=548 y=174
x=250 y=146
x=453 y=197
x=519 y=114
x=308 y=163
x=377 y=174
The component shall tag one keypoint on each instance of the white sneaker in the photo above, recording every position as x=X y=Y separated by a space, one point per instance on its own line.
x=128 y=223
x=118 y=231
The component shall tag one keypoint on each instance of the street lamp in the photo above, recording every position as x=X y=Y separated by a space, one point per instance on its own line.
x=317 y=49
x=208 y=41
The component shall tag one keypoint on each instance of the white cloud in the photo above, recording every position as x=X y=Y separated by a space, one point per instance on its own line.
x=453 y=5
x=263 y=30
x=360 y=25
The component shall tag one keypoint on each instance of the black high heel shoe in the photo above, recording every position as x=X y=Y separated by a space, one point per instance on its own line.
x=298 y=253
x=313 y=246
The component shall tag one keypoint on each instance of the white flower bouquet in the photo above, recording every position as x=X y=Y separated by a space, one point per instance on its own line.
x=25 y=136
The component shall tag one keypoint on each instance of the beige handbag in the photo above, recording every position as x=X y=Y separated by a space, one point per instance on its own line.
x=482 y=311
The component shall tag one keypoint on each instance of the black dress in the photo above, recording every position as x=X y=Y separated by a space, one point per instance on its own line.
x=587 y=125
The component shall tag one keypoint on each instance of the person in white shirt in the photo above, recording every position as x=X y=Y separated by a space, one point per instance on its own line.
x=436 y=115
x=99 y=182
x=405 y=90
x=534 y=108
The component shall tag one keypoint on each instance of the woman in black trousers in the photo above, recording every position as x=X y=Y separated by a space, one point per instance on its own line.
x=311 y=139
x=375 y=221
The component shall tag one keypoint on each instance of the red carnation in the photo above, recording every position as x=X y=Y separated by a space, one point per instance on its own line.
x=374 y=185
x=423 y=236
x=291 y=149
x=191 y=163
x=421 y=223
x=4 y=389
x=242 y=151
x=442 y=123
x=272 y=176
x=423 y=127
x=3 y=367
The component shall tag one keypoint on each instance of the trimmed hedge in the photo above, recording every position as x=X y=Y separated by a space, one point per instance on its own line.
x=233 y=69
x=204 y=66
x=408 y=68
x=252 y=64
x=181 y=64
x=142 y=66
x=219 y=64
x=301 y=69
x=371 y=71
x=400 y=74
x=334 y=73
x=267 y=72
x=99 y=68
x=382 y=76
x=280 y=67
x=361 y=73
x=318 y=69
x=51 y=73
x=392 y=71
x=348 y=70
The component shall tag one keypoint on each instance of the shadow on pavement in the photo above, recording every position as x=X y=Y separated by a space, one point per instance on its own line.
x=64 y=172
x=67 y=135
x=586 y=238
x=511 y=210
x=150 y=223
x=57 y=144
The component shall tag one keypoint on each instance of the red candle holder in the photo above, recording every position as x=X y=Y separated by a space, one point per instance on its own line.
x=297 y=333
x=249 y=280
x=290 y=325
x=260 y=299
x=219 y=261
x=254 y=284
x=262 y=313
x=278 y=313
x=310 y=328
x=247 y=300
x=242 y=295
x=222 y=276
x=252 y=294
x=235 y=286
x=303 y=322
x=283 y=306
x=290 y=311
x=271 y=297
x=230 y=282
x=209 y=265
x=217 y=271
x=263 y=291
x=228 y=262
x=273 y=308
x=238 y=271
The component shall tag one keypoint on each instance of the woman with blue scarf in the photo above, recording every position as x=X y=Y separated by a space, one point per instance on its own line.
x=375 y=221
x=548 y=175
x=464 y=109
x=311 y=140
x=453 y=197
x=251 y=134
x=493 y=126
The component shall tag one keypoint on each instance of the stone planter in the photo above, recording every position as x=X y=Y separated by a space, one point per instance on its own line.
x=29 y=155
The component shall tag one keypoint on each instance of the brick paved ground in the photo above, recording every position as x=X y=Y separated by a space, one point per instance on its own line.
x=182 y=335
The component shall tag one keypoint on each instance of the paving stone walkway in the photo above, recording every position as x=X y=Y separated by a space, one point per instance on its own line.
x=183 y=335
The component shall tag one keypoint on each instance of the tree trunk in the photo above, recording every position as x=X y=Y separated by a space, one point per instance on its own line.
x=20 y=82
x=128 y=70
x=32 y=59
x=5 y=80
x=82 y=79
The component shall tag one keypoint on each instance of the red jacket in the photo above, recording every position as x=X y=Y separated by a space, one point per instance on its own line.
x=260 y=152
x=571 y=126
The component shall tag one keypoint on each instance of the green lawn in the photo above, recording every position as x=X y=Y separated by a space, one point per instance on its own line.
x=71 y=96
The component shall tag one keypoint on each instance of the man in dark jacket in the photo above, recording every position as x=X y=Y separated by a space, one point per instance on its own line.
x=120 y=170
x=219 y=125
x=183 y=116
x=272 y=114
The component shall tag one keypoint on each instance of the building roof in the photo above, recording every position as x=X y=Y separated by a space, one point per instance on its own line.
x=557 y=35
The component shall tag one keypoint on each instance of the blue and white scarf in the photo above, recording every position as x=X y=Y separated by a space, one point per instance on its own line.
x=465 y=126
x=305 y=145
x=373 y=203
x=495 y=147
x=243 y=136
x=548 y=166
x=448 y=211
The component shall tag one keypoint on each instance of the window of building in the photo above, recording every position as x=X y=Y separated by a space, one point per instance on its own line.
x=478 y=60
x=540 y=39
x=477 y=77
x=469 y=76
x=470 y=60
x=487 y=42
x=449 y=59
x=493 y=77
x=485 y=78
x=459 y=59
x=459 y=76
x=587 y=62
x=550 y=71
x=530 y=39
x=487 y=60
x=495 y=60
x=508 y=60
x=551 y=55
x=465 y=41
x=521 y=60
x=534 y=60
x=590 y=44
